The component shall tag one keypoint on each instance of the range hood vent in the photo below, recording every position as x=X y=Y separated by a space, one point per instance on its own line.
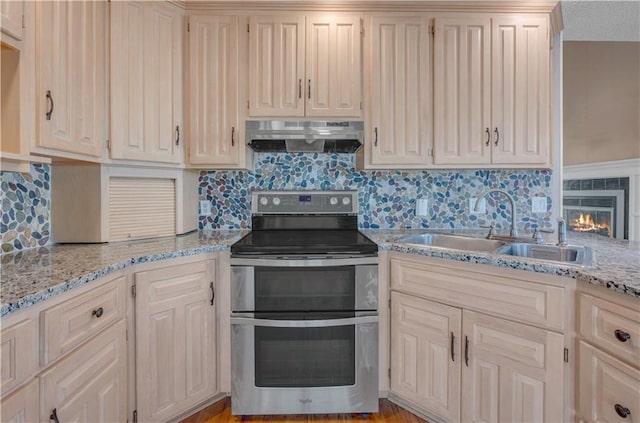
x=304 y=137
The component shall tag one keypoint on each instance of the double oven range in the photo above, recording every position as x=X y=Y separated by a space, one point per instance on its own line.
x=304 y=307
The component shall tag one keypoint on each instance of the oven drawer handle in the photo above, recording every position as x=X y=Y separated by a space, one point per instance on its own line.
x=303 y=323
x=355 y=261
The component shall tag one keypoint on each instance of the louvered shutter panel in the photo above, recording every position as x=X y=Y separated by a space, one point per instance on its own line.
x=141 y=208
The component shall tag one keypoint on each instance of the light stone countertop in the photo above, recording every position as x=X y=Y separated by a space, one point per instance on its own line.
x=31 y=276
x=616 y=263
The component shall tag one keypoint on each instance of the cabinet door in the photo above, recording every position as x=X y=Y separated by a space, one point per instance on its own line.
x=71 y=76
x=19 y=353
x=333 y=46
x=22 y=406
x=11 y=18
x=90 y=385
x=462 y=91
x=146 y=81
x=399 y=134
x=608 y=390
x=520 y=91
x=425 y=354
x=513 y=372
x=175 y=339
x=276 y=65
x=213 y=91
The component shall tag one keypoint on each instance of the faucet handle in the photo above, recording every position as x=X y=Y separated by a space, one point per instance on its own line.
x=491 y=227
x=537 y=234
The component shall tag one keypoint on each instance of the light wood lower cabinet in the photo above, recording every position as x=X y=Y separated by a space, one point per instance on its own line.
x=89 y=385
x=425 y=354
x=19 y=353
x=22 y=405
x=608 y=381
x=175 y=339
x=609 y=390
x=511 y=372
x=454 y=363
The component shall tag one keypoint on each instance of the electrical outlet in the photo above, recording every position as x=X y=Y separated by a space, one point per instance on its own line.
x=538 y=204
x=205 y=208
x=422 y=207
x=482 y=207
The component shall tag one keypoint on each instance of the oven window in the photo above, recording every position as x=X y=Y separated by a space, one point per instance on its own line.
x=305 y=357
x=305 y=288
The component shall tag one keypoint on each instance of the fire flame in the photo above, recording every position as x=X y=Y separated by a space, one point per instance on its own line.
x=585 y=223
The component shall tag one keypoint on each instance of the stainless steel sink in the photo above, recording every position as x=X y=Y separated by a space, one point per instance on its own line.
x=453 y=242
x=572 y=254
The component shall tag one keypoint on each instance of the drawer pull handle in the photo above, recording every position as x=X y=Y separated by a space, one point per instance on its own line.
x=98 y=312
x=213 y=293
x=621 y=335
x=453 y=354
x=54 y=416
x=622 y=411
x=488 y=137
x=466 y=351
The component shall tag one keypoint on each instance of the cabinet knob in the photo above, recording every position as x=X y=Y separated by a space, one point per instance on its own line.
x=621 y=335
x=98 y=312
x=622 y=411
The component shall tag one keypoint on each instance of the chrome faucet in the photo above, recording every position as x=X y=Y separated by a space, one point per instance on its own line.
x=562 y=232
x=513 y=232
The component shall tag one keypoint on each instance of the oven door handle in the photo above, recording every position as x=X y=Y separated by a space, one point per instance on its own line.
x=325 y=323
x=304 y=262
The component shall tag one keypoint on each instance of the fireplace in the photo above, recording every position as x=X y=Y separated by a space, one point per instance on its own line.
x=598 y=206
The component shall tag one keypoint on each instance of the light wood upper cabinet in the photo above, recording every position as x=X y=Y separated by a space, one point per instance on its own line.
x=276 y=65
x=491 y=91
x=175 y=339
x=11 y=18
x=146 y=81
x=520 y=91
x=425 y=354
x=397 y=78
x=305 y=66
x=513 y=372
x=462 y=92
x=214 y=131
x=70 y=56
x=333 y=66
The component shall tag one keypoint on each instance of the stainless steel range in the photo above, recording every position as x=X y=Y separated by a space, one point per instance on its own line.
x=304 y=302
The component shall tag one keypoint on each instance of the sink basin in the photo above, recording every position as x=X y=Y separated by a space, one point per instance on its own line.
x=571 y=254
x=453 y=241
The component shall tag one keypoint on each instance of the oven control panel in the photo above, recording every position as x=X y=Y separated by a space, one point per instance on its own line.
x=304 y=202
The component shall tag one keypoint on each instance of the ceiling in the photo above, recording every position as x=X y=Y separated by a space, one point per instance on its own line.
x=609 y=20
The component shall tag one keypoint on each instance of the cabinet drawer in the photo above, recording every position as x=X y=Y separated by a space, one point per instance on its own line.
x=74 y=321
x=18 y=353
x=610 y=326
x=516 y=299
x=607 y=388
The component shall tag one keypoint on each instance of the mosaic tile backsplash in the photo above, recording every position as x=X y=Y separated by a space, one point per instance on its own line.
x=386 y=199
x=26 y=207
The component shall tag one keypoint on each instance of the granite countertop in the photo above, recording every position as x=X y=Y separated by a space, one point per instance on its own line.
x=616 y=263
x=31 y=276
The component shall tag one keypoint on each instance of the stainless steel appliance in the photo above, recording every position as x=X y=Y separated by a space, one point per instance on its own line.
x=304 y=136
x=304 y=301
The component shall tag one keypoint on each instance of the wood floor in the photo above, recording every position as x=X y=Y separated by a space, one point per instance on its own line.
x=220 y=412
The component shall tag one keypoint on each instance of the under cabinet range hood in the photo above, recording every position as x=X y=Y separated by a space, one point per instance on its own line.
x=304 y=136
